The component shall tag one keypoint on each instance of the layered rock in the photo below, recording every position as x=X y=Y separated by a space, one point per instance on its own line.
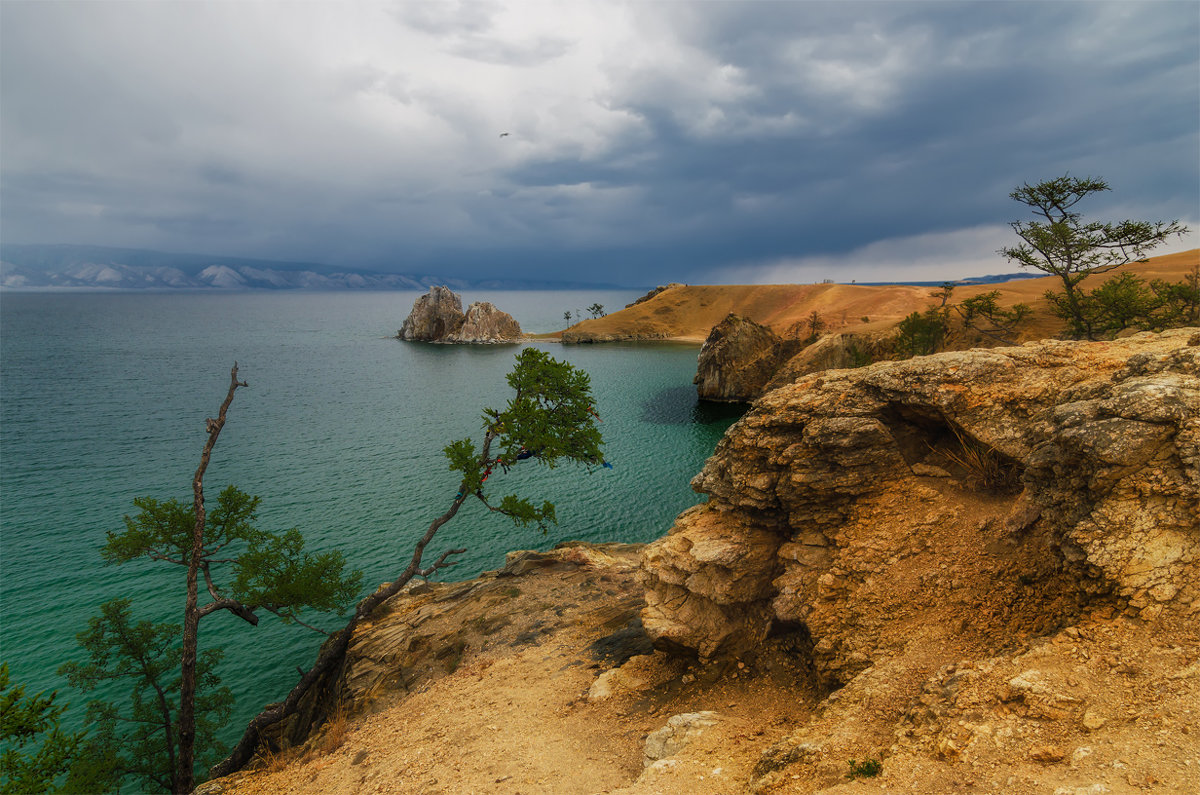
x=437 y=316
x=831 y=352
x=738 y=359
x=972 y=495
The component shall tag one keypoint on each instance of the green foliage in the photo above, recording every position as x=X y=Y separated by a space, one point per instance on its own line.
x=270 y=570
x=984 y=313
x=37 y=752
x=244 y=569
x=276 y=573
x=550 y=419
x=868 y=768
x=1178 y=303
x=139 y=740
x=1127 y=302
x=597 y=310
x=943 y=293
x=1060 y=243
x=921 y=333
x=859 y=357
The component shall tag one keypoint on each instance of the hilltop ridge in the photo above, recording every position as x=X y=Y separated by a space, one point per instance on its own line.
x=686 y=313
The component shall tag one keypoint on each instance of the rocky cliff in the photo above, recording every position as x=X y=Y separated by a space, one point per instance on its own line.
x=1075 y=463
x=437 y=316
x=911 y=523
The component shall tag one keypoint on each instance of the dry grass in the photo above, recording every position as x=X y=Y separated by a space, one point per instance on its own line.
x=333 y=733
x=688 y=313
x=984 y=466
x=275 y=761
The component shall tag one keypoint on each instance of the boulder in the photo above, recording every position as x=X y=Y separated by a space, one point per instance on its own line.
x=737 y=360
x=484 y=323
x=434 y=316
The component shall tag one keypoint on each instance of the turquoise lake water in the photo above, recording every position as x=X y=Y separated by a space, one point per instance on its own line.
x=103 y=399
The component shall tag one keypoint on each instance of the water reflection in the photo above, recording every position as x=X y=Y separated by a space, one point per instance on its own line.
x=678 y=405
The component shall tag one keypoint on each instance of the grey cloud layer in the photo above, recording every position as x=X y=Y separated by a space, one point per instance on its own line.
x=648 y=141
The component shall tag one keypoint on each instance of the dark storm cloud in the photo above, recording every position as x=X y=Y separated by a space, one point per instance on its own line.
x=646 y=141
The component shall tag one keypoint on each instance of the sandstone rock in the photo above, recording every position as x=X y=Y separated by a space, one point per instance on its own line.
x=830 y=352
x=430 y=629
x=679 y=731
x=737 y=360
x=706 y=582
x=1079 y=463
x=434 y=316
x=484 y=323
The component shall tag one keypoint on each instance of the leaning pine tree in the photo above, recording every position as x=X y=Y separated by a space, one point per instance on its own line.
x=550 y=419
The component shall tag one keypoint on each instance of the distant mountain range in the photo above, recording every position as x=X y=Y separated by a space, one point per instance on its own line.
x=33 y=267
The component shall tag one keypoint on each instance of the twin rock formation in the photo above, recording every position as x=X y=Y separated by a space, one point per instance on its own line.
x=438 y=316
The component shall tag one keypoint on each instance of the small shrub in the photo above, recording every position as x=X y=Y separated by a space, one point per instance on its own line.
x=921 y=334
x=858 y=356
x=868 y=768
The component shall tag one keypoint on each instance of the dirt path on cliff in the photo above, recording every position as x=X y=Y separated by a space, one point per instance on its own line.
x=522 y=723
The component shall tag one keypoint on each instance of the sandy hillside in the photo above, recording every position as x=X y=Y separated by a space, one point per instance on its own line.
x=688 y=313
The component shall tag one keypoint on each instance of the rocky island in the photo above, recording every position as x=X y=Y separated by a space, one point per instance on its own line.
x=977 y=572
x=438 y=316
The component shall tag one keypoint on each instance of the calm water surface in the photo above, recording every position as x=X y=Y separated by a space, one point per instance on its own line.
x=103 y=399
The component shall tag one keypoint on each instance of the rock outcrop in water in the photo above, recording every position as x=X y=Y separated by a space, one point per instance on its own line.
x=738 y=359
x=437 y=316
x=1011 y=486
x=484 y=323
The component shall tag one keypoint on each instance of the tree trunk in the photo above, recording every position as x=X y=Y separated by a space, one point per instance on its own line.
x=333 y=653
x=182 y=779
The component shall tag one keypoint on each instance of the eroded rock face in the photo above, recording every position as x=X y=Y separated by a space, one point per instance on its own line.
x=737 y=360
x=973 y=495
x=434 y=316
x=484 y=323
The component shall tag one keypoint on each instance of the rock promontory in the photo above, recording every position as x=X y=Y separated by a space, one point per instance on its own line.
x=438 y=316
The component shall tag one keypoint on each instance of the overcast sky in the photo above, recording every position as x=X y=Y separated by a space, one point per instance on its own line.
x=706 y=142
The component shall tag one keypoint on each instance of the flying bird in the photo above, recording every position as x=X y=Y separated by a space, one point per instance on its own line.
x=503 y=134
